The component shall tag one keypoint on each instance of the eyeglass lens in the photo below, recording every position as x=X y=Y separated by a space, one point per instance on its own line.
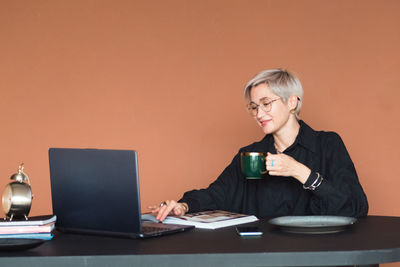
x=265 y=104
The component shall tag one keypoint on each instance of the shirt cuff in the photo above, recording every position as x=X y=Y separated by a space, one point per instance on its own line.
x=194 y=205
x=323 y=190
x=311 y=179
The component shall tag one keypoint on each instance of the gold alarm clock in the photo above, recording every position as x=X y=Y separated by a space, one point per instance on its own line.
x=17 y=196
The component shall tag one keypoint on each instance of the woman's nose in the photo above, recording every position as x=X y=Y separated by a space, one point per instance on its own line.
x=260 y=112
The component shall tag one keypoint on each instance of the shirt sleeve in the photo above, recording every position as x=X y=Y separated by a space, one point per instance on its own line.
x=219 y=194
x=340 y=193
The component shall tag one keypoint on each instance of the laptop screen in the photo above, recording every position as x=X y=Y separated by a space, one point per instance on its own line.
x=95 y=190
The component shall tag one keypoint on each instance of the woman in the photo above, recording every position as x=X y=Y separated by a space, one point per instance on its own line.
x=309 y=172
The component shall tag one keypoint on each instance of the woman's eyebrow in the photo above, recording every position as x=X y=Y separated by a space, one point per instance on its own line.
x=264 y=98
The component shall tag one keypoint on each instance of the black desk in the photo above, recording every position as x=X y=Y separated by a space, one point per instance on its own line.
x=372 y=240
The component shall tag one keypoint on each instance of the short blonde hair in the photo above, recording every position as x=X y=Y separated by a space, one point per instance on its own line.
x=281 y=82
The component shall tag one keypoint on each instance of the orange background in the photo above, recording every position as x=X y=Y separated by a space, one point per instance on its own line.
x=165 y=78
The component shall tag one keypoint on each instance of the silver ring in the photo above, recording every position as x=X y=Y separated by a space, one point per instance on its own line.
x=272 y=163
x=163 y=203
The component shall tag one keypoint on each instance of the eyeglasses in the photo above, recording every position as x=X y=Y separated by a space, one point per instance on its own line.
x=265 y=104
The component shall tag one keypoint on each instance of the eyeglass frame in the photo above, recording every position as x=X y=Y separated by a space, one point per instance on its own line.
x=269 y=103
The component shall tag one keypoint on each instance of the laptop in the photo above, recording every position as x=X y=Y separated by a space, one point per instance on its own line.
x=96 y=191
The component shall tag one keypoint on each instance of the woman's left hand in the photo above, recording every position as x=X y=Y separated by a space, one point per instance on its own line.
x=284 y=165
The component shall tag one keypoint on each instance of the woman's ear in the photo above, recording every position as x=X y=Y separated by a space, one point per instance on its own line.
x=292 y=102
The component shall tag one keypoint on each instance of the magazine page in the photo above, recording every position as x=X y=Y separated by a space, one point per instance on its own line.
x=211 y=216
x=211 y=219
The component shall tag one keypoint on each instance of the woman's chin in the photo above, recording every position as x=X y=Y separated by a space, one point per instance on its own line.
x=266 y=129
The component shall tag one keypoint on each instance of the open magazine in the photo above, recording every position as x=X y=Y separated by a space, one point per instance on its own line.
x=207 y=219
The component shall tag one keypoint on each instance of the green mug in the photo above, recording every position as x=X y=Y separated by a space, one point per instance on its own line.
x=253 y=164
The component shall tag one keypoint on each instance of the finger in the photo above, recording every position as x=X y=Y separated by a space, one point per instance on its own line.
x=160 y=209
x=271 y=157
x=168 y=210
x=272 y=169
x=161 y=213
x=271 y=163
x=179 y=210
x=165 y=210
x=154 y=209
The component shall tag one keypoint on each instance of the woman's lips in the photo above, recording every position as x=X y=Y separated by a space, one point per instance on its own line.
x=264 y=122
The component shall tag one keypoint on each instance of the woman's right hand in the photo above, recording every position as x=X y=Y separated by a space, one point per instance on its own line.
x=169 y=207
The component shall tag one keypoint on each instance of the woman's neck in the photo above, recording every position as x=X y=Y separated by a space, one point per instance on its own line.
x=286 y=136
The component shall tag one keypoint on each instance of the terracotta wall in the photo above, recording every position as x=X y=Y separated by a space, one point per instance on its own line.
x=165 y=78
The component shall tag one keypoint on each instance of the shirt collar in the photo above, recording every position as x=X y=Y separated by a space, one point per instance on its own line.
x=306 y=138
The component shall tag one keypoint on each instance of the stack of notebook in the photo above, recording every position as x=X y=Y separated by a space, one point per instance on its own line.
x=37 y=227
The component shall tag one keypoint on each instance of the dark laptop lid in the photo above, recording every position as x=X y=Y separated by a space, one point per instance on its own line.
x=95 y=190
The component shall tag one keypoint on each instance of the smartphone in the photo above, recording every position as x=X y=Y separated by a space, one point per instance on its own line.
x=248 y=231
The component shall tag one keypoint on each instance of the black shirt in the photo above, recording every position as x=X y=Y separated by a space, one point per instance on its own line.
x=340 y=193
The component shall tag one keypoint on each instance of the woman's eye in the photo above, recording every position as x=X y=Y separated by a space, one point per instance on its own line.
x=266 y=104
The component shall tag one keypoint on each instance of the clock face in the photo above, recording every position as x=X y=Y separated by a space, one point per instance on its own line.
x=17 y=199
x=7 y=199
